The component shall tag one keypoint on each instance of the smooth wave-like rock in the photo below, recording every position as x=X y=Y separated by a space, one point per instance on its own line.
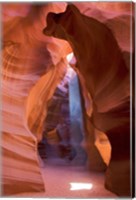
x=19 y=76
x=34 y=63
x=100 y=61
x=27 y=64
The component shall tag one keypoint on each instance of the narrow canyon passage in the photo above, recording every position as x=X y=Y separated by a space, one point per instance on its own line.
x=66 y=99
x=64 y=181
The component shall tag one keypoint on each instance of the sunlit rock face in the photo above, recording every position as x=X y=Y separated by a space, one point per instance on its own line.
x=30 y=62
x=34 y=63
x=100 y=61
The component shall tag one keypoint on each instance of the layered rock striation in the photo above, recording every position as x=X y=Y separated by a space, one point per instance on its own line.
x=100 y=61
x=34 y=63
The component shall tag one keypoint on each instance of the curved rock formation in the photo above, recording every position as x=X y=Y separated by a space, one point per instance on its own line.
x=29 y=78
x=100 y=61
x=32 y=66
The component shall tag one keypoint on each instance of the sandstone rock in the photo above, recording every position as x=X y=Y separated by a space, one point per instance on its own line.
x=100 y=61
x=32 y=66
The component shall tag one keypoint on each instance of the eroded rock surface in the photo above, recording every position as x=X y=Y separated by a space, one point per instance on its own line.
x=32 y=66
x=28 y=82
x=100 y=61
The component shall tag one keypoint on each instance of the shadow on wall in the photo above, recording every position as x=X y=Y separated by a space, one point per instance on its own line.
x=100 y=61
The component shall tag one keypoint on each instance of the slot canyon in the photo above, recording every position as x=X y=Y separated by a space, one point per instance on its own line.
x=66 y=99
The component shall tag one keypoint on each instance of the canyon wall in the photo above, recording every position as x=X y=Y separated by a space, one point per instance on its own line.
x=30 y=75
x=100 y=60
x=34 y=63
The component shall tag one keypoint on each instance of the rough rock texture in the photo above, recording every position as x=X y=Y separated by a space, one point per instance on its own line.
x=32 y=66
x=101 y=63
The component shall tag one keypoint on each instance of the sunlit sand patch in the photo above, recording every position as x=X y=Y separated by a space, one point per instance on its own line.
x=81 y=186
